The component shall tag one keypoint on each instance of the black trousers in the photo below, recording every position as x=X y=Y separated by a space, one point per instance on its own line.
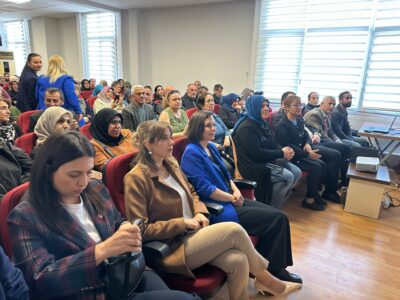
x=345 y=151
x=333 y=160
x=152 y=287
x=316 y=170
x=272 y=228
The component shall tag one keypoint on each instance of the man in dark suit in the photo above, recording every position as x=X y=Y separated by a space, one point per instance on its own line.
x=189 y=99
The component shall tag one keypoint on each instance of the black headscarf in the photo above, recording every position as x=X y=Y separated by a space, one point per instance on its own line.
x=99 y=126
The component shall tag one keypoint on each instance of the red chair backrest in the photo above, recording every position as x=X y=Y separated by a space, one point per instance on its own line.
x=113 y=178
x=86 y=94
x=23 y=120
x=91 y=100
x=26 y=142
x=190 y=112
x=10 y=200
x=271 y=115
x=179 y=147
x=85 y=130
x=216 y=108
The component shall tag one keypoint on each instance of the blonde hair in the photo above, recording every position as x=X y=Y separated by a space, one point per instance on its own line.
x=150 y=132
x=56 y=68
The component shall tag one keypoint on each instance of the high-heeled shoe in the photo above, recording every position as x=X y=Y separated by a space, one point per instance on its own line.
x=290 y=288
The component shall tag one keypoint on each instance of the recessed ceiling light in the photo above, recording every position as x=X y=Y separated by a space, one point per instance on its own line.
x=18 y=1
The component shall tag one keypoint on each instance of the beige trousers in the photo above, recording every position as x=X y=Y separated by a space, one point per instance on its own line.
x=226 y=246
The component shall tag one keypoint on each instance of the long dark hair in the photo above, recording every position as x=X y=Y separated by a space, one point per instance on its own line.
x=57 y=150
x=28 y=60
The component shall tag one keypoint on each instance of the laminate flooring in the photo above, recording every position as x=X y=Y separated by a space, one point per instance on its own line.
x=341 y=255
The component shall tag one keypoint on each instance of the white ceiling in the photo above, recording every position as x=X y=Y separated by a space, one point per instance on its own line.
x=64 y=8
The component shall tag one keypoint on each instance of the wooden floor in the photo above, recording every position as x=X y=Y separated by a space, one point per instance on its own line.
x=344 y=256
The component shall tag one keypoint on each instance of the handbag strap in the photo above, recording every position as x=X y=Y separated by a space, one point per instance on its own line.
x=236 y=172
x=106 y=149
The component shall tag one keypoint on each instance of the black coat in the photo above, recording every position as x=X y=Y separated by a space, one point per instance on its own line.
x=256 y=146
x=293 y=136
x=26 y=92
x=15 y=167
x=228 y=117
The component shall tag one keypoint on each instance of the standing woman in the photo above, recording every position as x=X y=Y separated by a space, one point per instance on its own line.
x=27 y=99
x=174 y=115
x=68 y=226
x=57 y=76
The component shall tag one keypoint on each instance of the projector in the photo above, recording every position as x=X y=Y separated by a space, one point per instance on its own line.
x=367 y=164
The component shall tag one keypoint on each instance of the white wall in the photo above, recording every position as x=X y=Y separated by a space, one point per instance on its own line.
x=210 y=42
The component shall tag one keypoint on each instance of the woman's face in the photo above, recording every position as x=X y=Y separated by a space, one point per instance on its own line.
x=209 y=130
x=265 y=111
x=86 y=84
x=209 y=103
x=117 y=89
x=110 y=94
x=294 y=109
x=92 y=83
x=35 y=63
x=63 y=124
x=4 y=112
x=162 y=148
x=235 y=103
x=14 y=86
x=71 y=178
x=160 y=91
x=114 y=127
x=174 y=101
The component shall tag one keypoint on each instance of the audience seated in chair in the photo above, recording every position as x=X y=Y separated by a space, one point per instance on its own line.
x=189 y=99
x=137 y=111
x=87 y=111
x=105 y=99
x=218 y=90
x=260 y=157
x=174 y=115
x=206 y=171
x=15 y=167
x=230 y=109
x=278 y=115
x=9 y=131
x=157 y=191
x=109 y=139
x=68 y=226
x=313 y=102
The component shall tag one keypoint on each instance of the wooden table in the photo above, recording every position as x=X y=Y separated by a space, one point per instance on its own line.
x=393 y=136
x=365 y=191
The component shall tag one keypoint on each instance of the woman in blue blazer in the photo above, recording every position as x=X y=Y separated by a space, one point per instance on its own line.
x=203 y=166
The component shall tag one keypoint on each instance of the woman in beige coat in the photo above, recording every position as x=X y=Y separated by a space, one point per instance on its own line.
x=157 y=191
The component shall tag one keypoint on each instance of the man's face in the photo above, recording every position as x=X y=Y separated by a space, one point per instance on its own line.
x=192 y=91
x=7 y=77
x=314 y=99
x=328 y=105
x=138 y=96
x=218 y=92
x=346 y=100
x=53 y=99
x=147 y=95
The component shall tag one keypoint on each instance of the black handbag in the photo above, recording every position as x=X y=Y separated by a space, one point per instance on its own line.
x=124 y=272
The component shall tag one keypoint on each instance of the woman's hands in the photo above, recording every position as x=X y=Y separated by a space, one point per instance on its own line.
x=126 y=239
x=237 y=198
x=227 y=142
x=197 y=222
x=288 y=153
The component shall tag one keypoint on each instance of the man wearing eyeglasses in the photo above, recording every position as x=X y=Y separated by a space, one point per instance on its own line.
x=341 y=125
x=138 y=110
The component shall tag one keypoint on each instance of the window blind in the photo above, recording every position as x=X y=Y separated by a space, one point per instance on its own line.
x=100 y=46
x=17 y=40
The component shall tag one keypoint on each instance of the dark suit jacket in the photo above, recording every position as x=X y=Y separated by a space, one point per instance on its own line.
x=60 y=265
x=340 y=123
x=228 y=117
x=26 y=92
x=188 y=102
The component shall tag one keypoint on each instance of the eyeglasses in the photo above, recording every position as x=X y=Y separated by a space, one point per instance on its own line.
x=115 y=122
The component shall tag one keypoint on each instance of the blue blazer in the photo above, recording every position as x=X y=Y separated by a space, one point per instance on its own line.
x=12 y=283
x=206 y=177
x=64 y=83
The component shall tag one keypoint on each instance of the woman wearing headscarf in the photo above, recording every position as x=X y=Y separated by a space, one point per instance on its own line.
x=105 y=99
x=260 y=157
x=229 y=111
x=54 y=119
x=246 y=93
x=109 y=139
x=85 y=85
x=97 y=89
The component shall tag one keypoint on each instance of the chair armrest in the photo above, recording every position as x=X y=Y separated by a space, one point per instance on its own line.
x=243 y=183
x=214 y=208
x=155 y=249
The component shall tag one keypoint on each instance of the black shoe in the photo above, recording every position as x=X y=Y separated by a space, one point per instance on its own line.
x=333 y=197
x=319 y=199
x=314 y=206
x=285 y=275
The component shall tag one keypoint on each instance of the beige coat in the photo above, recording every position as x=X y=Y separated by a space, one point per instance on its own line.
x=160 y=206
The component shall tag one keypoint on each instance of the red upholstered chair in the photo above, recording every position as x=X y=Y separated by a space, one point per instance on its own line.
x=10 y=200
x=26 y=142
x=216 y=108
x=86 y=94
x=91 y=100
x=179 y=147
x=85 y=131
x=23 y=120
x=208 y=278
x=191 y=111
